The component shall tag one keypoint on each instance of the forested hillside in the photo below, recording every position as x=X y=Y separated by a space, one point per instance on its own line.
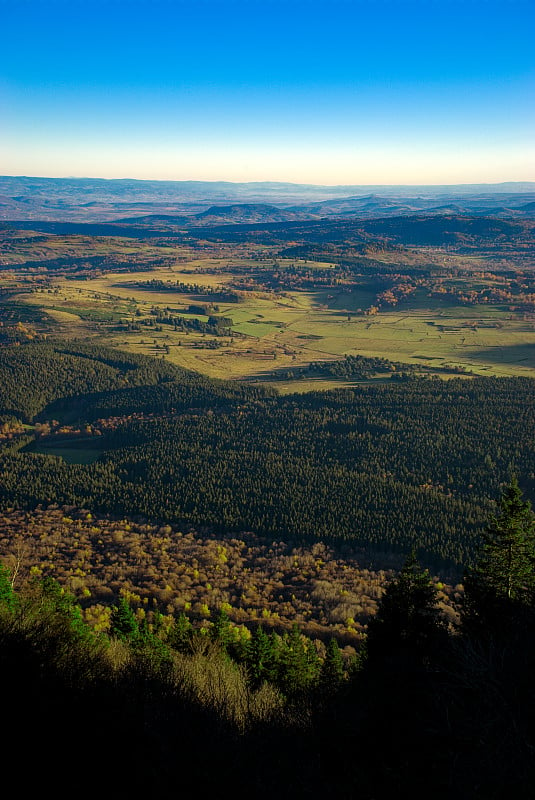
x=425 y=703
x=392 y=466
x=79 y=374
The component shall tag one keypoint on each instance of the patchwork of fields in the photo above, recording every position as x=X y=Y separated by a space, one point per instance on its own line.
x=276 y=331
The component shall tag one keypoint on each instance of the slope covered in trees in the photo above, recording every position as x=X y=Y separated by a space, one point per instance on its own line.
x=95 y=557
x=393 y=466
x=33 y=376
x=425 y=707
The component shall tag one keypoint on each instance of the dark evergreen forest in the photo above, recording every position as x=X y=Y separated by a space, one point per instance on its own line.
x=401 y=464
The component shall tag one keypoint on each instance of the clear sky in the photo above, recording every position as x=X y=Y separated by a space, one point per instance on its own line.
x=306 y=91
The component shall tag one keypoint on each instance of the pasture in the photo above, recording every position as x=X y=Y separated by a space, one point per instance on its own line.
x=273 y=331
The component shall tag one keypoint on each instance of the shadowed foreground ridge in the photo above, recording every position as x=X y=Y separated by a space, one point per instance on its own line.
x=423 y=708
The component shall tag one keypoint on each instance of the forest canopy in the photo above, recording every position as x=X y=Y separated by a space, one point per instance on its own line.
x=392 y=466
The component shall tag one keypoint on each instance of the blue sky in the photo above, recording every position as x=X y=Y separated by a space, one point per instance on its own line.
x=344 y=92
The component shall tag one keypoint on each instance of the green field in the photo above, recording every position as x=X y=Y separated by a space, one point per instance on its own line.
x=275 y=330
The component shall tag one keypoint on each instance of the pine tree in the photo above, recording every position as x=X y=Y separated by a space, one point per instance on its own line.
x=150 y=650
x=181 y=634
x=407 y=618
x=332 y=669
x=123 y=622
x=221 y=630
x=502 y=584
x=299 y=664
x=7 y=595
x=260 y=657
x=56 y=603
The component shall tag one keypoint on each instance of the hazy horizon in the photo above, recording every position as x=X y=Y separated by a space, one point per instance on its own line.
x=372 y=186
x=349 y=93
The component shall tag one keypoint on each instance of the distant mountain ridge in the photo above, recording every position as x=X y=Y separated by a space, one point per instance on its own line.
x=220 y=202
x=250 y=212
x=421 y=229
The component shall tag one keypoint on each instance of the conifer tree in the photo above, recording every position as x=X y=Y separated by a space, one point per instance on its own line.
x=123 y=622
x=332 y=669
x=148 y=646
x=407 y=618
x=221 y=629
x=260 y=657
x=181 y=634
x=299 y=664
x=7 y=595
x=502 y=583
x=57 y=603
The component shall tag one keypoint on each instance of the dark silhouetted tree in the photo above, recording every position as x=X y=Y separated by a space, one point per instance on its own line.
x=332 y=670
x=408 y=619
x=501 y=587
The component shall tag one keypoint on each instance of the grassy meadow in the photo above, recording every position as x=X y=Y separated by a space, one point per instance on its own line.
x=276 y=331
